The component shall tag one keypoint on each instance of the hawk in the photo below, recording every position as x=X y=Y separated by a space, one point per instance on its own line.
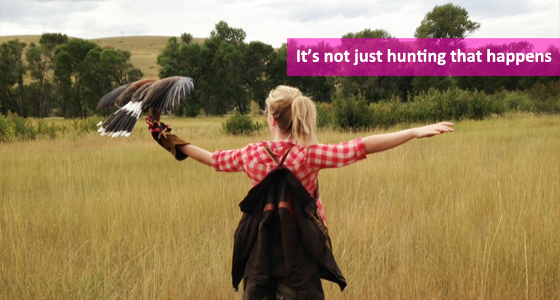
x=143 y=96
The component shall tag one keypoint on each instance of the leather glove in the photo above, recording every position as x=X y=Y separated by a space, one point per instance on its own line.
x=161 y=133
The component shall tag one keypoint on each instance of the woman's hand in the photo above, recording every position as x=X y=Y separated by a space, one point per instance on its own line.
x=432 y=130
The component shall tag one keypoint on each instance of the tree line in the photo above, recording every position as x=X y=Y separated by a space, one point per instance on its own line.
x=68 y=76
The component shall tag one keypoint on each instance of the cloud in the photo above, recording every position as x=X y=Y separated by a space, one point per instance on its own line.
x=497 y=8
x=309 y=11
x=30 y=13
x=59 y=1
x=320 y=10
x=269 y=21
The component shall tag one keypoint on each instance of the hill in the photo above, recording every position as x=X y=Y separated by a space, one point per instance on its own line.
x=144 y=49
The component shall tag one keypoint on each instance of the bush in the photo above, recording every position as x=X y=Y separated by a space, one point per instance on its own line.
x=255 y=109
x=23 y=128
x=518 y=102
x=324 y=115
x=351 y=113
x=7 y=131
x=15 y=128
x=239 y=124
x=48 y=130
x=436 y=105
x=452 y=104
x=546 y=98
x=83 y=126
x=388 y=113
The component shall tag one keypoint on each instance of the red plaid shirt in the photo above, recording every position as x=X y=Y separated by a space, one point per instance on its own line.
x=304 y=162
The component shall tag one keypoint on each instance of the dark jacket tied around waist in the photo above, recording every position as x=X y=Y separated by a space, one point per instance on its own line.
x=282 y=237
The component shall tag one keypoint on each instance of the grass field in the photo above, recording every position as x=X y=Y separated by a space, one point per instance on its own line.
x=467 y=215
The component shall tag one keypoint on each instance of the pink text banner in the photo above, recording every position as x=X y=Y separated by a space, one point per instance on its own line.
x=423 y=57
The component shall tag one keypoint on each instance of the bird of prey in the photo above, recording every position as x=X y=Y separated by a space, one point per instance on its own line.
x=148 y=95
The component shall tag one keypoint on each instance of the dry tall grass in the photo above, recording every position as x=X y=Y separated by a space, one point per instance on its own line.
x=468 y=215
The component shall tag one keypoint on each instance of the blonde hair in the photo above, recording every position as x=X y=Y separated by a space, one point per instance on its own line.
x=294 y=112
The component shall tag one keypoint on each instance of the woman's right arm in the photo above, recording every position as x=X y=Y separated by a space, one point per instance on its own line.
x=198 y=154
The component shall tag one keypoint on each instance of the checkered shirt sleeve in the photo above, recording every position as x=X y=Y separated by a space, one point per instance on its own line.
x=229 y=160
x=323 y=156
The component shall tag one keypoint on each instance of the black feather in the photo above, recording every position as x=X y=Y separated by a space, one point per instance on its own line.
x=128 y=94
x=108 y=100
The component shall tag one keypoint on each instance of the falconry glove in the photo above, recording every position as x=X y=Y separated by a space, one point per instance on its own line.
x=163 y=136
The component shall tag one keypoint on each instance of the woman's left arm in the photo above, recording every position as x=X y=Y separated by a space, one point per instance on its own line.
x=382 y=142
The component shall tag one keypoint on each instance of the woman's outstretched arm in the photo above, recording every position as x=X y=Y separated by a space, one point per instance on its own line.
x=175 y=144
x=382 y=142
x=198 y=154
x=372 y=143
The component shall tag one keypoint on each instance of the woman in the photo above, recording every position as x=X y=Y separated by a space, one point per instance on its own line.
x=291 y=118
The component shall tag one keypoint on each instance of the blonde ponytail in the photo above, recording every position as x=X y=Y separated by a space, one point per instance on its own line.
x=304 y=116
x=295 y=113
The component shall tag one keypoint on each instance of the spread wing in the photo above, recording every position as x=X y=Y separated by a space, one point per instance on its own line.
x=141 y=96
x=109 y=99
x=166 y=94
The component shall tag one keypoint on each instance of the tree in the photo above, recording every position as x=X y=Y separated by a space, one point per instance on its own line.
x=218 y=68
x=12 y=70
x=117 y=66
x=37 y=66
x=186 y=38
x=49 y=42
x=277 y=68
x=40 y=63
x=319 y=88
x=187 y=59
x=102 y=71
x=258 y=57
x=370 y=34
x=84 y=72
x=227 y=47
x=169 y=59
x=230 y=35
x=422 y=84
x=372 y=88
x=228 y=72
x=446 y=21
x=69 y=71
x=493 y=84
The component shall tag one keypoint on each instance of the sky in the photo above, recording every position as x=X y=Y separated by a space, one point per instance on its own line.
x=268 y=21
